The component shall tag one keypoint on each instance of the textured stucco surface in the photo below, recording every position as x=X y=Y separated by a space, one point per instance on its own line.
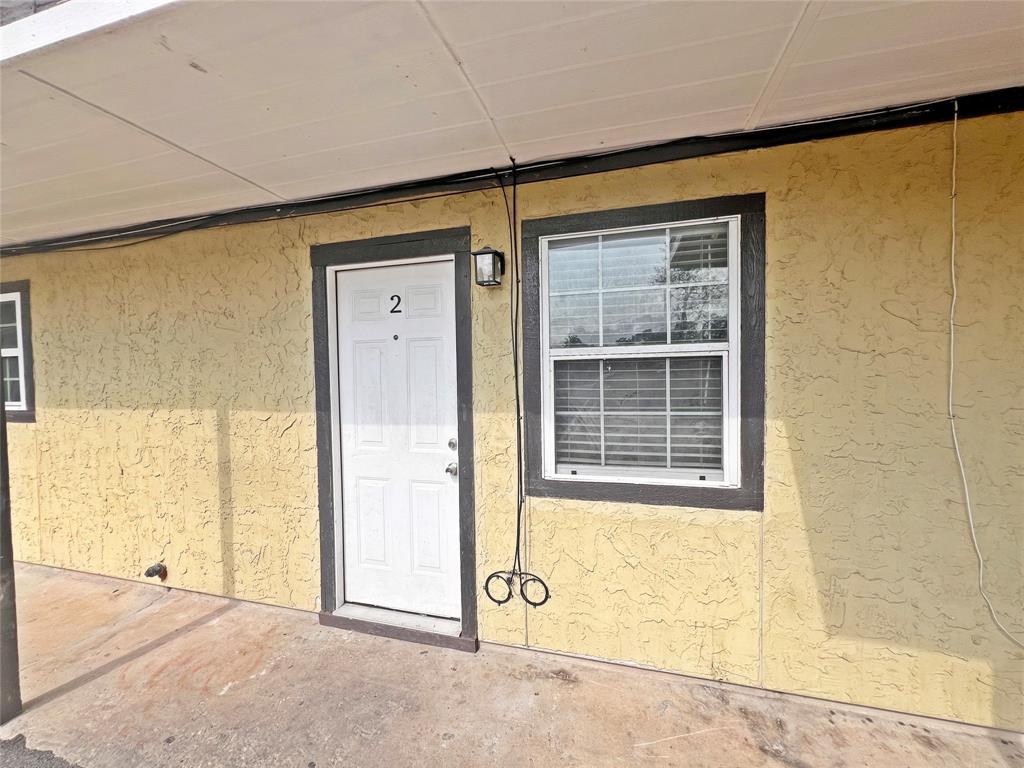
x=175 y=420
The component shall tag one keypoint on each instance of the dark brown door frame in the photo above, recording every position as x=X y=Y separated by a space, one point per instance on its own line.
x=410 y=246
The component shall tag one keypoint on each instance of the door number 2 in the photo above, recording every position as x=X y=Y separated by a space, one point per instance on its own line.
x=395 y=307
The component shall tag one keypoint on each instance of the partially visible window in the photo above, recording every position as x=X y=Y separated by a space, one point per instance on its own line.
x=640 y=354
x=15 y=349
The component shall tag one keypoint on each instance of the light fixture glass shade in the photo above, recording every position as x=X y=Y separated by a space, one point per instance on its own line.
x=490 y=266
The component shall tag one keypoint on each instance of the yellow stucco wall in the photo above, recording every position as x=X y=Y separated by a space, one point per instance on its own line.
x=175 y=420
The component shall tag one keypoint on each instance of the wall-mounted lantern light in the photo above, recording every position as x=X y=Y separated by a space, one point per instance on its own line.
x=490 y=266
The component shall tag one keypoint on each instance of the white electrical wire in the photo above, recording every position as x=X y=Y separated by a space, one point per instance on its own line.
x=952 y=418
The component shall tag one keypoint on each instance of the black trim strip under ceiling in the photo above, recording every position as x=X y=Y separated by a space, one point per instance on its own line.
x=972 y=105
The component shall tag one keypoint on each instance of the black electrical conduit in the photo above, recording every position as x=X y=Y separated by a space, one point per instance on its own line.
x=500 y=586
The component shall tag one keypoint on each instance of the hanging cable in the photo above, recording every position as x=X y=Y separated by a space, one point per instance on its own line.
x=952 y=417
x=202 y=222
x=500 y=586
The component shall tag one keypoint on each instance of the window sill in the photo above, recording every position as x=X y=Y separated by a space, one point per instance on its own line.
x=21 y=417
x=668 y=480
x=702 y=496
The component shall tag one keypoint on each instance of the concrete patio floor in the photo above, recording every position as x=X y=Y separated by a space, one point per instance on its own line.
x=116 y=673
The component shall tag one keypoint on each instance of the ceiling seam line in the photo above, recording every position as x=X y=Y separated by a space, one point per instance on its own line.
x=349 y=115
x=643 y=92
x=371 y=142
x=120 y=191
x=936 y=41
x=402 y=163
x=794 y=42
x=896 y=81
x=633 y=56
x=465 y=75
x=533 y=28
x=635 y=125
x=72 y=174
x=150 y=133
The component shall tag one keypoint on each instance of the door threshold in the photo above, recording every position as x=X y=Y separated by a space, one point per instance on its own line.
x=413 y=627
x=451 y=627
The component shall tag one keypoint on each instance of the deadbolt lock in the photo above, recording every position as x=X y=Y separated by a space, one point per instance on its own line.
x=453 y=443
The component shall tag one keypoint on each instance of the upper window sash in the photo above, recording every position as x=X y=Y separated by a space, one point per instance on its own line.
x=637 y=280
x=731 y=343
x=15 y=351
x=7 y=349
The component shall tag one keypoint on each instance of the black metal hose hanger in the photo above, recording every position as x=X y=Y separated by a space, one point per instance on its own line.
x=507 y=579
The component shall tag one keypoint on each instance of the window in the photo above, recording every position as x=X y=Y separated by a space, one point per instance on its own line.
x=640 y=354
x=15 y=351
x=637 y=353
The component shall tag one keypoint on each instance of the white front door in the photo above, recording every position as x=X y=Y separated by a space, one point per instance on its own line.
x=398 y=405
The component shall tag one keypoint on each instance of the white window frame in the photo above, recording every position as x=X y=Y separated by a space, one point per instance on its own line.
x=729 y=351
x=18 y=352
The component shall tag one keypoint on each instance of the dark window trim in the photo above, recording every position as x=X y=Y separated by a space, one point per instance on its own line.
x=407 y=246
x=21 y=287
x=750 y=494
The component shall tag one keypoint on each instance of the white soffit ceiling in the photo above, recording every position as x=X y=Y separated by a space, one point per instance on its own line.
x=198 y=107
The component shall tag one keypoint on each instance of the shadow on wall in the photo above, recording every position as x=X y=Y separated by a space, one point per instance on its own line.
x=227 y=506
x=175 y=415
x=871 y=588
x=870 y=574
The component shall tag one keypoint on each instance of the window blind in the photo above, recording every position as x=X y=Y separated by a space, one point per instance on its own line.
x=662 y=286
x=653 y=412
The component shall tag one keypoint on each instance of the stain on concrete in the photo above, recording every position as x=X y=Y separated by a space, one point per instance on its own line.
x=174 y=678
x=14 y=752
x=536 y=672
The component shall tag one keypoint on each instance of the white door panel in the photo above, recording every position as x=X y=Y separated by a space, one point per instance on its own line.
x=398 y=405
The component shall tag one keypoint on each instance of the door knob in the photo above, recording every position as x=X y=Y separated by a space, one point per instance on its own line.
x=452 y=469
